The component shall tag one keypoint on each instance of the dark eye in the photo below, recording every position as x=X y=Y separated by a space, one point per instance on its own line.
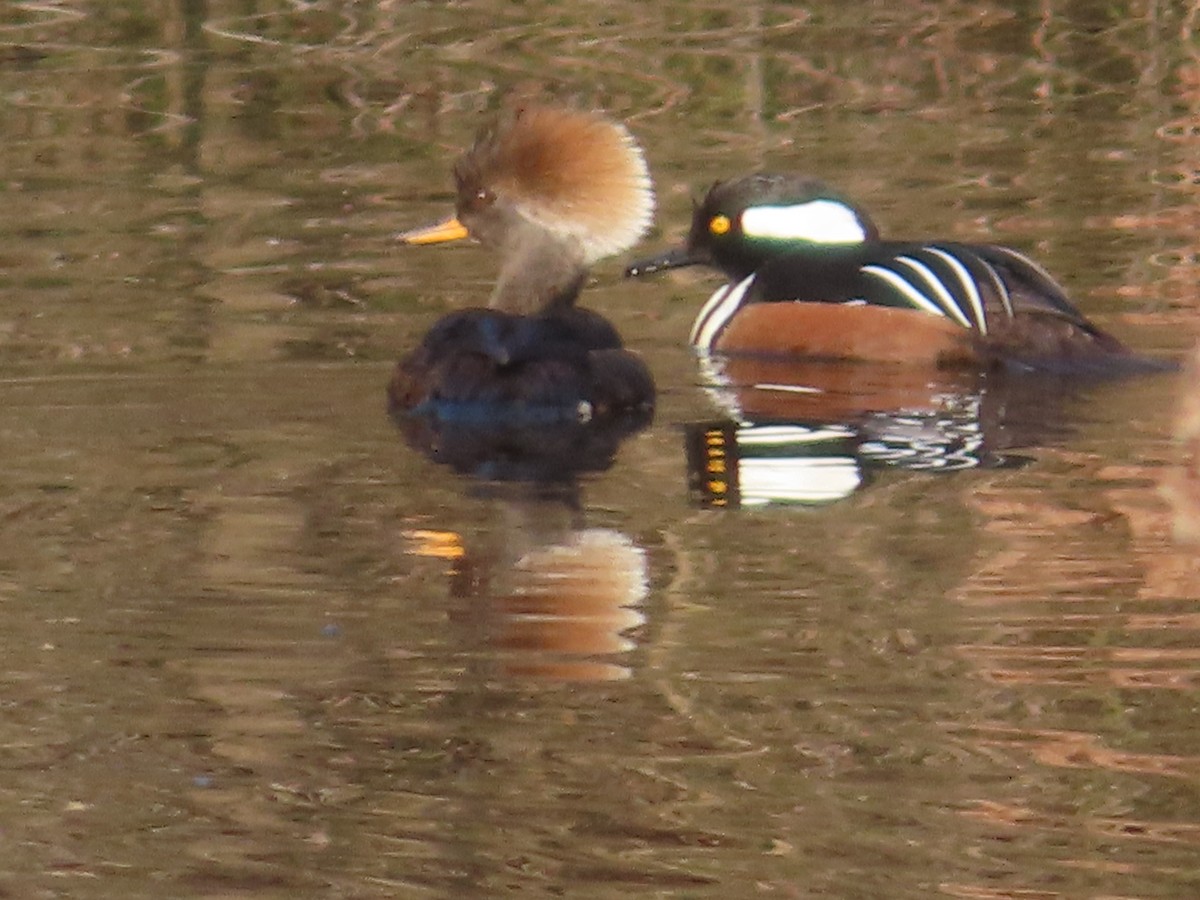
x=473 y=199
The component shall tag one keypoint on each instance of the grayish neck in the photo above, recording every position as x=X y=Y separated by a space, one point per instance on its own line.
x=540 y=272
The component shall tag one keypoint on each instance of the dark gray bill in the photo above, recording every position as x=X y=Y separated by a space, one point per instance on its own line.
x=672 y=259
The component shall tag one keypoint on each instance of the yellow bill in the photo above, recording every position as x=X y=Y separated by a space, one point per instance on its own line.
x=449 y=230
x=436 y=544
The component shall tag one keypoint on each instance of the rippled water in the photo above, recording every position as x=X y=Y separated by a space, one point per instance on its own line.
x=257 y=643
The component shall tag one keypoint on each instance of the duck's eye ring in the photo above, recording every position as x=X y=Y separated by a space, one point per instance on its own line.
x=719 y=225
x=483 y=197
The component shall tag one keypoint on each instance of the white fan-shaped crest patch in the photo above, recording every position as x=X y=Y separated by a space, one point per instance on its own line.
x=819 y=221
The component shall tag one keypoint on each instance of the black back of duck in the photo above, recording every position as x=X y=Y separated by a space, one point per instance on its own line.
x=566 y=364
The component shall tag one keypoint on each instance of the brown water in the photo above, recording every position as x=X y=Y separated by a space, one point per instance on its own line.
x=256 y=645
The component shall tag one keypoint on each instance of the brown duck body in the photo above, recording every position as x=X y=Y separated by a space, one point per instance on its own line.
x=947 y=303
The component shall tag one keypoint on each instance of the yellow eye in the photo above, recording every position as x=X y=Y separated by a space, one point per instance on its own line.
x=719 y=224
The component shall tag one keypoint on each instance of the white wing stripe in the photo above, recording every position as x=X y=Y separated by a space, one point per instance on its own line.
x=706 y=310
x=1000 y=288
x=716 y=313
x=943 y=296
x=1023 y=261
x=967 y=282
x=914 y=296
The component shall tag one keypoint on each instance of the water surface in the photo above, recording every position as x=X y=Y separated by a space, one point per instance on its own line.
x=258 y=644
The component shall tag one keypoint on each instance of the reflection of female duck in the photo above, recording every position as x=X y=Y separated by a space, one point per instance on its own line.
x=554 y=452
x=808 y=275
x=552 y=601
x=554 y=191
x=549 y=597
x=1183 y=481
x=564 y=604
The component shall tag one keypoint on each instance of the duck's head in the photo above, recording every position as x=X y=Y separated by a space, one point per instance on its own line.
x=554 y=190
x=743 y=222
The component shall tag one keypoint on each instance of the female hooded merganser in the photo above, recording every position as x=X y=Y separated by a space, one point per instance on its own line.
x=809 y=275
x=555 y=191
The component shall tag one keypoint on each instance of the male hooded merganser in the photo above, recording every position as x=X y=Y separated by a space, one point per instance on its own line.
x=809 y=275
x=555 y=191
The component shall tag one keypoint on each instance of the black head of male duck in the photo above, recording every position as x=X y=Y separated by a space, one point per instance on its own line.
x=743 y=223
x=809 y=276
x=553 y=191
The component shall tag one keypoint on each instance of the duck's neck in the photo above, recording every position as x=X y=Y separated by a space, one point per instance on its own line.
x=541 y=273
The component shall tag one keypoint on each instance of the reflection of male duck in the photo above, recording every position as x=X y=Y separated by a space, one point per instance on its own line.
x=748 y=464
x=754 y=388
x=734 y=465
x=815 y=432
